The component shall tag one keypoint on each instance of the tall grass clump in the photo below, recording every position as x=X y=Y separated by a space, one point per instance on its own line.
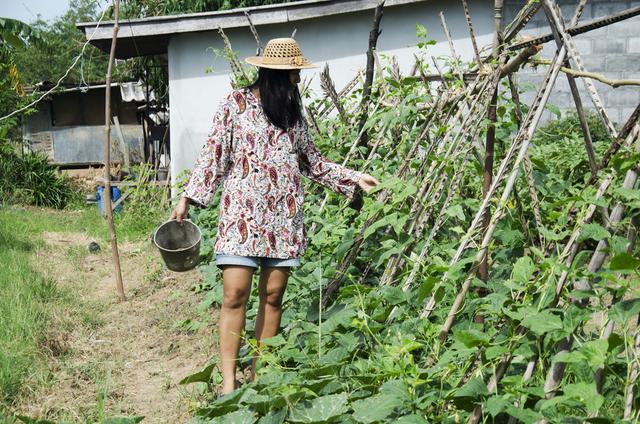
x=30 y=179
x=25 y=311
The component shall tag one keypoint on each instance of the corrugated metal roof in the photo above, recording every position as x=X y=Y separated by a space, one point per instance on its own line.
x=132 y=91
x=150 y=36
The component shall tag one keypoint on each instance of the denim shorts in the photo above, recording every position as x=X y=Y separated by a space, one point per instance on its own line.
x=254 y=261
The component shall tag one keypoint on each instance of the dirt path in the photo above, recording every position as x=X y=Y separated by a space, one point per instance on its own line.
x=114 y=359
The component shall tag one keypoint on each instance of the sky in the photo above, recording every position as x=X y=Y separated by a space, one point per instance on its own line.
x=27 y=10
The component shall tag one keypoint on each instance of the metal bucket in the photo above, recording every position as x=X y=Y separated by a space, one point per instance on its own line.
x=179 y=244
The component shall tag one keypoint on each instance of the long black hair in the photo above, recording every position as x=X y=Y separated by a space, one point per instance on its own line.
x=280 y=99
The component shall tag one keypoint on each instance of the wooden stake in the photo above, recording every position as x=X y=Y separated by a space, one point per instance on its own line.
x=368 y=81
x=472 y=35
x=633 y=379
x=330 y=90
x=107 y=156
x=487 y=177
x=557 y=24
x=454 y=55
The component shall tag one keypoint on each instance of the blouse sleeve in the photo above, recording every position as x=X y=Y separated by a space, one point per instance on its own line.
x=321 y=170
x=215 y=157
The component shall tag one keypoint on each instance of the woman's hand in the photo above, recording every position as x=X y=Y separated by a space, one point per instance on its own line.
x=181 y=211
x=367 y=182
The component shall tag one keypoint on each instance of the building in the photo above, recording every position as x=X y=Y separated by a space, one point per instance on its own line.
x=336 y=32
x=68 y=126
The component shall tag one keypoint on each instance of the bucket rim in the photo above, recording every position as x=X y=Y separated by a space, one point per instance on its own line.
x=155 y=234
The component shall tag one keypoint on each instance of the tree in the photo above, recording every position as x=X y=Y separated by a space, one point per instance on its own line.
x=62 y=42
x=147 y=8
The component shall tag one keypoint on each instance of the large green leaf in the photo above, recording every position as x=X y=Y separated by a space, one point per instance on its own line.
x=201 y=376
x=241 y=416
x=624 y=261
x=473 y=388
x=585 y=393
x=542 y=322
x=386 y=220
x=320 y=409
x=523 y=270
x=472 y=338
x=624 y=310
x=593 y=231
x=375 y=408
x=595 y=352
x=274 y=417
x=393 y=294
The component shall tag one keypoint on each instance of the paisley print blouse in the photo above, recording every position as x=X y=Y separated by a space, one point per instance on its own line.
x=260 y=167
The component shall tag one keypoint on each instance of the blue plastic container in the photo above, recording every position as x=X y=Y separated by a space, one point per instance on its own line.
x=115 y=195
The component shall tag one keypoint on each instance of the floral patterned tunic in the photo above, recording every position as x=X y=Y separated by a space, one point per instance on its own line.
x=261 y=165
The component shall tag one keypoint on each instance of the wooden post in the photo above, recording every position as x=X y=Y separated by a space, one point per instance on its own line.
x=107 y=157
x=368 y=81
x=487 y=178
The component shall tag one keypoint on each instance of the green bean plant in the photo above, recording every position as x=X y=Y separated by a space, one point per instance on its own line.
x=370 y=356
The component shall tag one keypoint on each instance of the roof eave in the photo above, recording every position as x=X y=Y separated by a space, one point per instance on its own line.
x=150 y=36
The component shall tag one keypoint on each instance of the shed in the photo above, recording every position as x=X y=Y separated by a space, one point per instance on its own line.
x=68 y=126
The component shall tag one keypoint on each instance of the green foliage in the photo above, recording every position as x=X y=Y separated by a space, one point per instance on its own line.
x=144 y=206
x=60 y=43
x=147 y=8
x=25 y=313
x=29 y=179
x=559 y=152
x=370 y=358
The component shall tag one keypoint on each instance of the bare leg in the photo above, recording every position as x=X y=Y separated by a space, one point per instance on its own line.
x=237 y=287
x=273 y=282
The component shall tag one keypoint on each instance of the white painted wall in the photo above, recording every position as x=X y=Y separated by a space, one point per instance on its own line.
x=341 y=41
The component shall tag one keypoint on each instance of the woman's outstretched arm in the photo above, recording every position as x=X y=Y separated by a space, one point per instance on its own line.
x=321 y=170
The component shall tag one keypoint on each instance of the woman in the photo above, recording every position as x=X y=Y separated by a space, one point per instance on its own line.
x=259 y=146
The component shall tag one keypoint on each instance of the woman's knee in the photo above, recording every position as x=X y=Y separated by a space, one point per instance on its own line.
x=274 y=297
x=237 y=286
x=235 y=297
x=272 y=292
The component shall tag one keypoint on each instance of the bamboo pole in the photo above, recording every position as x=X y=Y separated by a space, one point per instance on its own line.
x=633 y=378
x=454 y=55
x=573 y=54
x=556 y=22
x=521 y=143
x=489 y=146
x=567 y=256
x=107 y=156
x=528 y=171
x=472 y=35
x=524 y=16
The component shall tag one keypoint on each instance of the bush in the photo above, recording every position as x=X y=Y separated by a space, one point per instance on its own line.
x=30 y=179
x=144 y=208
x=559 y=152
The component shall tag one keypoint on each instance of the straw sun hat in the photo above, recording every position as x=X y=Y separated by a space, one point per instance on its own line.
x=281 y=53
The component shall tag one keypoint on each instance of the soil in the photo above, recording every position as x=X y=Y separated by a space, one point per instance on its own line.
x=111 y=358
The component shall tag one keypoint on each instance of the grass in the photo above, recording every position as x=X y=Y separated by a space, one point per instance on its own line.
x=25 y=296
x=29 y=301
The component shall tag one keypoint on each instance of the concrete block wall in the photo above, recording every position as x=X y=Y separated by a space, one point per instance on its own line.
x=613 y=51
